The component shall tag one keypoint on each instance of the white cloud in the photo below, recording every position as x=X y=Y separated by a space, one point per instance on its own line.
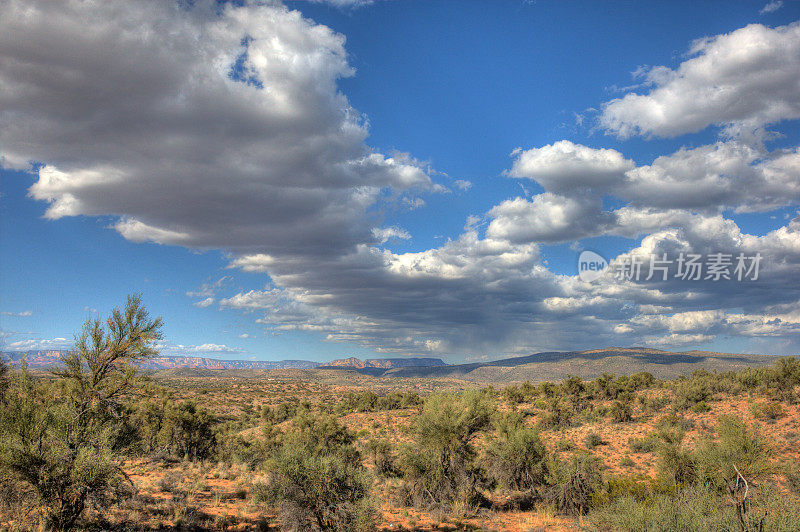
x=204 y=303
x=169 y=348
x=747 y=79
x=462 y=184
x=345 y=3
x=771 y=7
x=39 y=344
x=385 y=234
x=564 y=166
x=23 y=314
x=548 y=217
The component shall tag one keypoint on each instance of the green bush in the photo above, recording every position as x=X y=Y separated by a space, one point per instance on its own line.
x=574 y=483
x=646 y=444
x=382 y=457
x=513 y=394
x=768 y=411
x=317 y=480
x=689 y=393
x=439 y=470
x=695 y=508
x=621 y=412
x=593 y=440
x=735 y=445
x=676 y=465
x=187 y=431
x=516 y=458
x=557 y=415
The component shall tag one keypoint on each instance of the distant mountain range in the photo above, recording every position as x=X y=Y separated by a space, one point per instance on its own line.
x=382 y=363
x=552 y=366
x=556 y=365
x=49 y=359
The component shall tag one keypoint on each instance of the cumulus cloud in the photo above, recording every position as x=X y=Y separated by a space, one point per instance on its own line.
x=196 y=126
x=224 y=128
x=746 y=79
x=669 y=192
x=548 y=218
x=565 y=166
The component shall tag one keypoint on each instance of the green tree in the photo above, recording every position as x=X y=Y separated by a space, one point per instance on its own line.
x=62 y=440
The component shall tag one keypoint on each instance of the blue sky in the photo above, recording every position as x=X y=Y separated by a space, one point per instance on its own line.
x=247 y=215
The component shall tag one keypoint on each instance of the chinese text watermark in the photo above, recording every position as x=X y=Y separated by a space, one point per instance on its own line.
x=684 y=266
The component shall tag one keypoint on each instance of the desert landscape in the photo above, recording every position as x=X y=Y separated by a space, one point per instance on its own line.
x=392 y=265
x=341 y=447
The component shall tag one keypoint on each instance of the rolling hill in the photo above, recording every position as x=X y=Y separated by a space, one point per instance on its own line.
x=589 y=364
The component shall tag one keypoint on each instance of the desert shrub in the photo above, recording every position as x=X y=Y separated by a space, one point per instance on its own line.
x=621 y=412
x=700 y=407
x=674 y=421
x=593 y=440
x=527 y=389
x=695 y=508
x=573 y=385
x=381 y=454
x=645 y=444
x=439 y=470
x=557 y=415
x=637 y=486
x=640 y=380
x=148 y=416
x=651 y=405
x=548 y=389
x=792 y=474
x=4 y=379
x=398 y=400
x=736 y=444
x=513 y=394
x=316 y=479
x=573 y=483
x=234 y=448
x=188 y=432
x=60 y=442
x=268 y=414
x=676 y=465
x=768 y=411
x=785 y=376
x=516 y=458
x=285 y=411
x=691 y=392
x=605 y=387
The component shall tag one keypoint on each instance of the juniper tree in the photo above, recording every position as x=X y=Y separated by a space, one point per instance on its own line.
x=60 y=440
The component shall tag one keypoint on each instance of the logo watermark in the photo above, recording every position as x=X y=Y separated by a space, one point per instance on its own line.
x=685 y=266
x=591 y=266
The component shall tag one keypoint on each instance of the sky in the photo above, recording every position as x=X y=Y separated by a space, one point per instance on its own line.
x=316 y=180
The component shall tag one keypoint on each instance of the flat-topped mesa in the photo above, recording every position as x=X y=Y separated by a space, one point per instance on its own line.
x=383 y=363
